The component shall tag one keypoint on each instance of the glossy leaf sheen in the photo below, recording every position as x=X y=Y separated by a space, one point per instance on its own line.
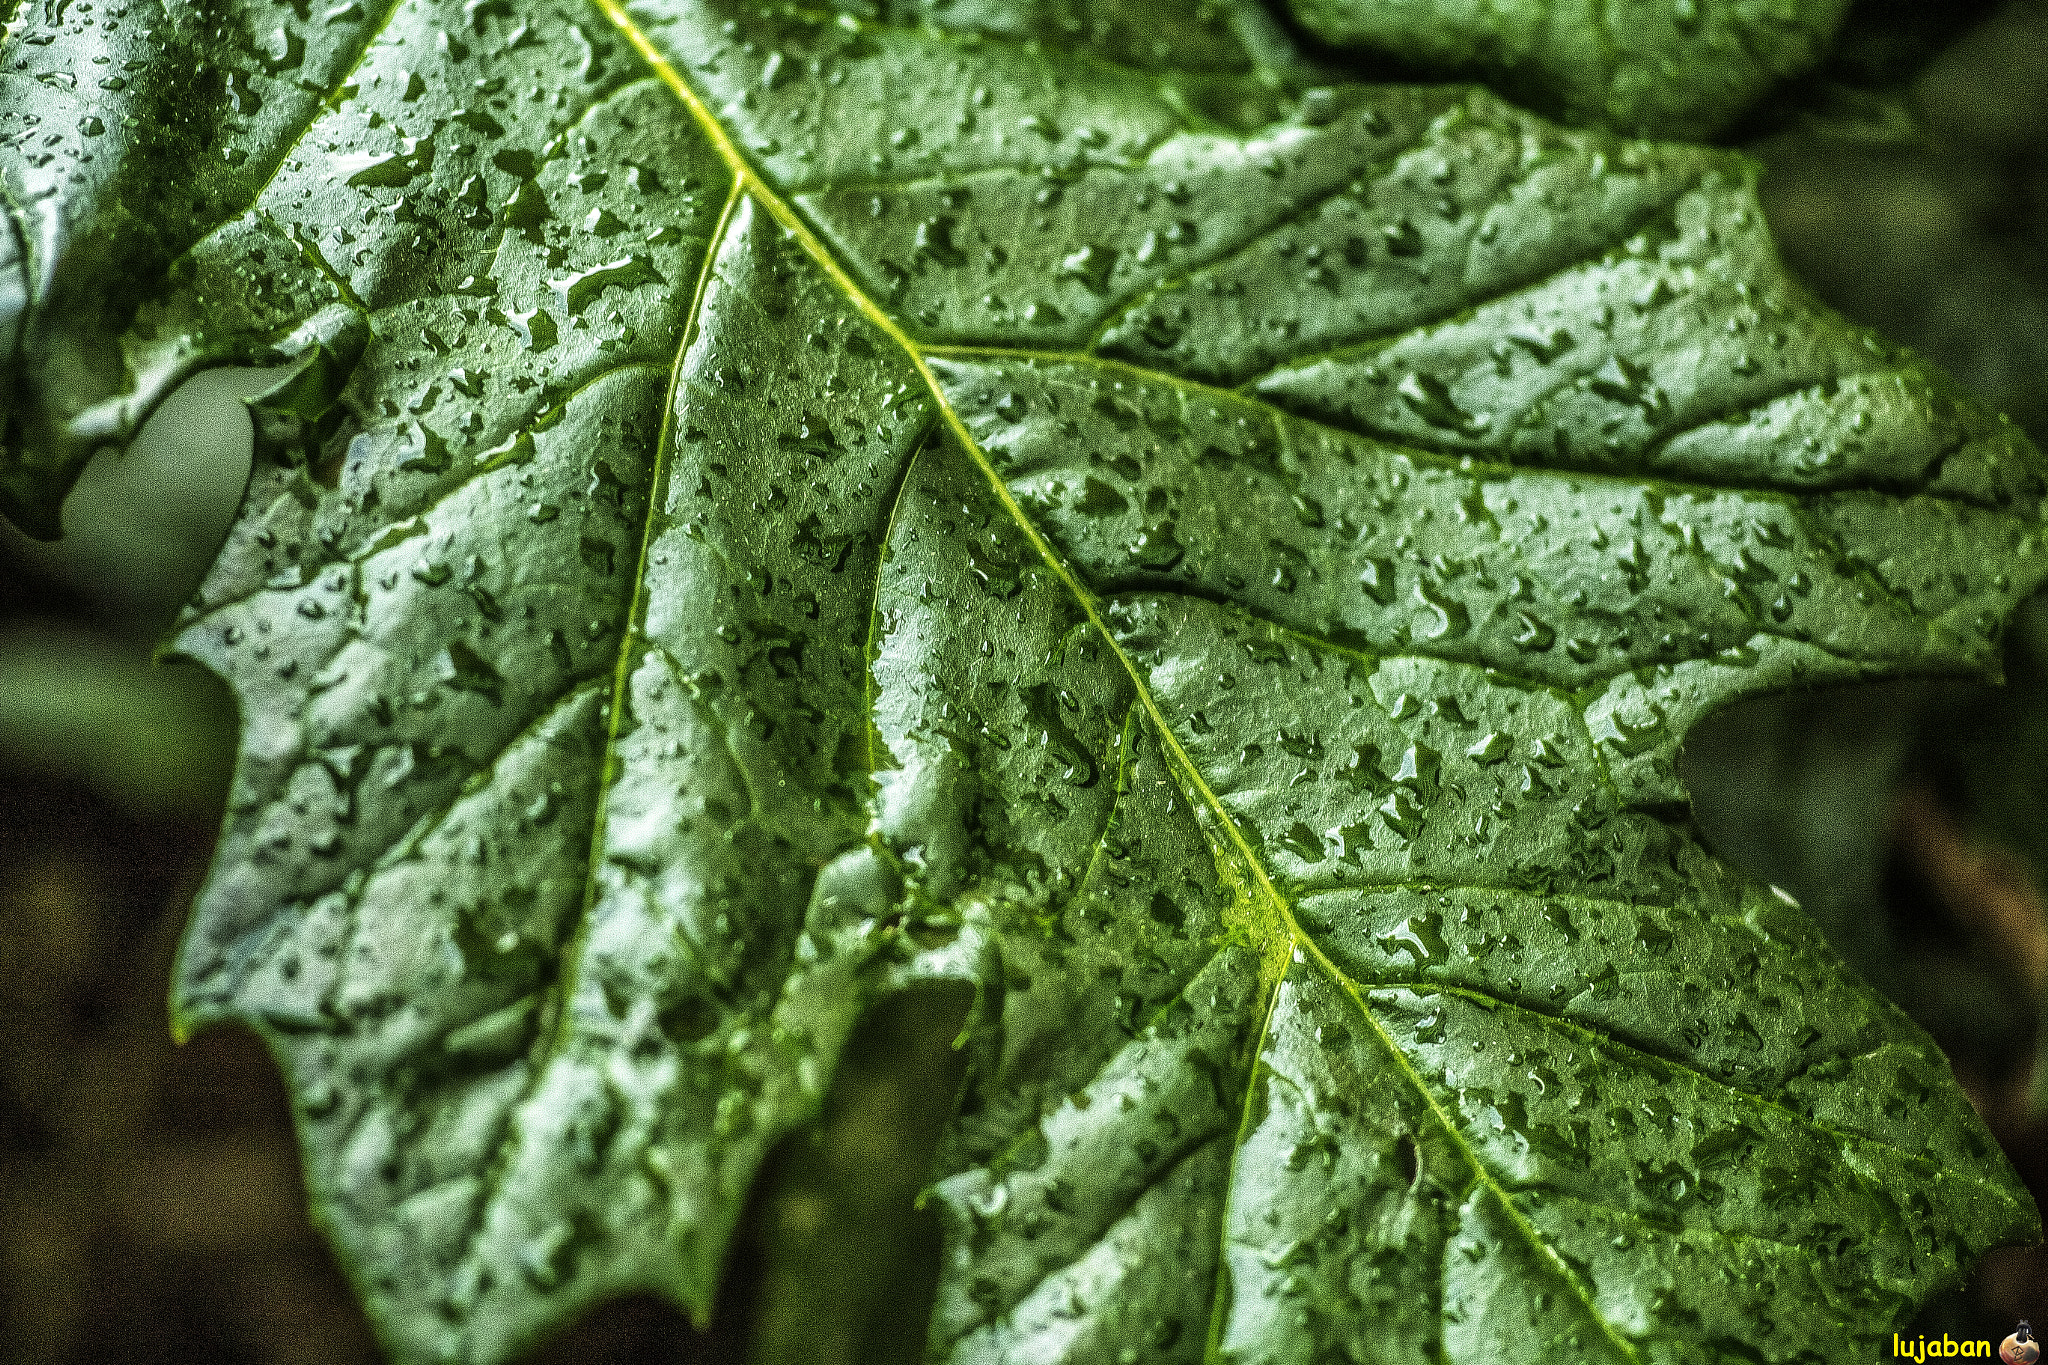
x=777 y=507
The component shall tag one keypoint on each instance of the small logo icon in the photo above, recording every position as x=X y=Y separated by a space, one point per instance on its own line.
x=2021 y=1348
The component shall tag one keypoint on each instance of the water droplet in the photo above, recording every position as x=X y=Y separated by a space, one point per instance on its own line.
x=1559 y=917
x=282 y=51
x=1545 y=343
x=1621 y=380
x=1091 y=265
x=1418 y=767
x=934 y=240
x=535 y=328
x=1099 y=499
x=462 y=669
x=1635 y=737
x=578 y=290
x=1534 y=636
x=1303 y=843
x=1418 y=936
x=1349 y=841
x=1403 y=238
x=1401 y=813
x=1492 y=748
x=1157 y=548
x=1452 y=619
x=1429 y=398
x=526 y=208
x=1376 y=576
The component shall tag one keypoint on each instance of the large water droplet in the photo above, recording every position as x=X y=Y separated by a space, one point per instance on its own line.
x=1429 y=398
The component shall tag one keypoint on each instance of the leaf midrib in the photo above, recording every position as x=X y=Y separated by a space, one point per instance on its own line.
x=748 y=179
x=1277 y=932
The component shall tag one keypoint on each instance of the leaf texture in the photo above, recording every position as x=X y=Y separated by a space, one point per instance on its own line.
x=128 y=137
x=1656 y=68
x=777 y=506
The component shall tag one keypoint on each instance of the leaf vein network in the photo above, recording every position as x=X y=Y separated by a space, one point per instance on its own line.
x=1271 y=905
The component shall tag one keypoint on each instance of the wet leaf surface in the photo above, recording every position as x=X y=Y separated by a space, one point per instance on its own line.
x=771 y=509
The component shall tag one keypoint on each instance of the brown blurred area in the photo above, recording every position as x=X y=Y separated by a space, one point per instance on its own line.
x=151 y=1206
x=148 y=1192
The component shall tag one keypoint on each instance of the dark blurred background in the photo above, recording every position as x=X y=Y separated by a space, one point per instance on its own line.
x=150 y=1196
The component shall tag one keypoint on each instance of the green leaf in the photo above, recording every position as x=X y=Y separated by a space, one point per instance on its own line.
x=776 y=508
x=1657 y=68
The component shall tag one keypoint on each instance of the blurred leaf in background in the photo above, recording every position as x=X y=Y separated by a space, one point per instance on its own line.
x=1654 y=68
x=1909 y=187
